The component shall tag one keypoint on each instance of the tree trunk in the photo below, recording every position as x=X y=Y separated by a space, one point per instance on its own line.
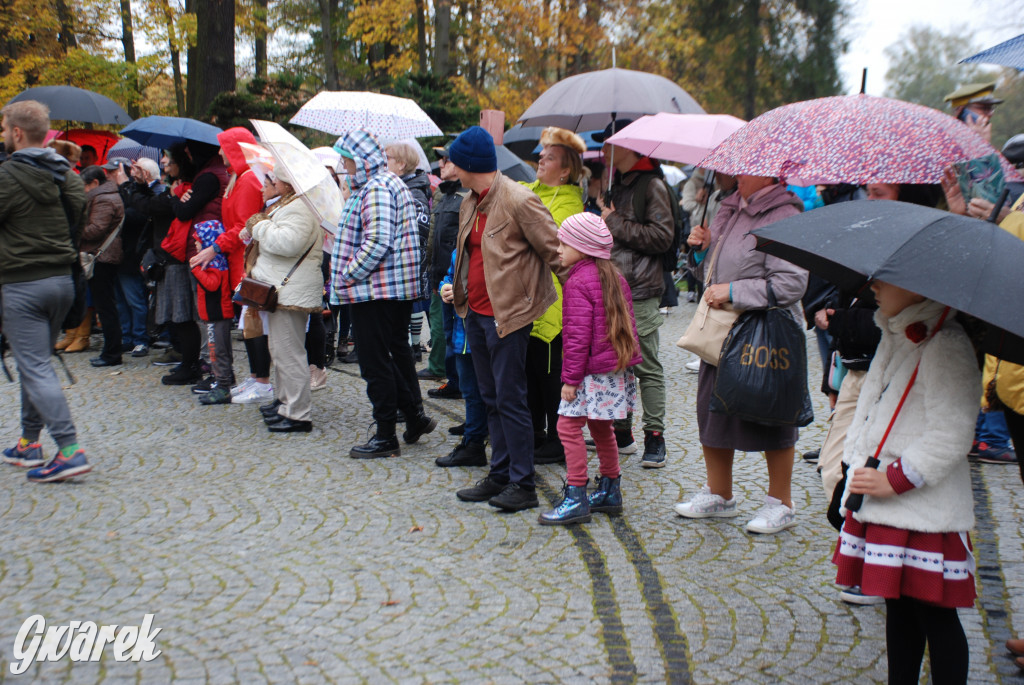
x=421 y=35
x=172 y=45
x=328 y=10
x=442 y=37
x=67 y=26
x=191 y=64
x=128 y=41
x=752 y=24
x=214 y=55
x=260 y=47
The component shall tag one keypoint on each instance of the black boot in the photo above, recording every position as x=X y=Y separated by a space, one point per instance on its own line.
x=551 y=452
x=418 y=426
x=380 y=445
x=464 y=454
x=184 y=374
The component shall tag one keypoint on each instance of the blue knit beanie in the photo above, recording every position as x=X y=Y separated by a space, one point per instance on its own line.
x=473 y=151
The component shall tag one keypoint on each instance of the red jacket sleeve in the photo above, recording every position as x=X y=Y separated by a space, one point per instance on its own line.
x=245 y=200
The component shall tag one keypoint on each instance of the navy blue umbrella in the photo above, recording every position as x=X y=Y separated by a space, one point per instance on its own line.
x=76 y=104
x=162 y=132
x=971 y=265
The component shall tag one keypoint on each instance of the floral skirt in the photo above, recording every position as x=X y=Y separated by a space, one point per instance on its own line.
x=603 y=396
x=937 y=568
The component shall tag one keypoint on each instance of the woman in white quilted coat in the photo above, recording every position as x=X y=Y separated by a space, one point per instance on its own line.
x=290 y=232
x=909 y=540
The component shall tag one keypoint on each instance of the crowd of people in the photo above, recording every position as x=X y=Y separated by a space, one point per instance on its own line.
x=544 y=303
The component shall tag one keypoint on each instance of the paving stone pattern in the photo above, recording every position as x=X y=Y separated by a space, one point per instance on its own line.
x=277 y=558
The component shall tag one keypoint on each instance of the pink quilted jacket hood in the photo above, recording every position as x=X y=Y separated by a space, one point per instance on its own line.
x=585 y=345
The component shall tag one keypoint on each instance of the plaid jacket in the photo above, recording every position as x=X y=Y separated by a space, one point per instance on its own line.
x=376 y=253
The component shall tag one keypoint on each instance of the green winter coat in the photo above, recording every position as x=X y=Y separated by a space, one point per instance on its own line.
x=562 y=201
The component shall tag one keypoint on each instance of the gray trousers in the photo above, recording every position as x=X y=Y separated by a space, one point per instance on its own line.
x=32 y=314
x=222 y=359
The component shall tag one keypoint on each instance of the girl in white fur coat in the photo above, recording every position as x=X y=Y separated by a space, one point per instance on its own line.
x=909 y=541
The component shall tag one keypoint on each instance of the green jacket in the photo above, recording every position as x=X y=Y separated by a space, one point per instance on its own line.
x=562 y=201
x=35 y=241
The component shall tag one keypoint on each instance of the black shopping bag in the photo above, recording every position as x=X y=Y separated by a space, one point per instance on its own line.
x=762 y=374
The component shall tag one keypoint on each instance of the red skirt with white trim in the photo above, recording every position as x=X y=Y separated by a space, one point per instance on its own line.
x=937 y=568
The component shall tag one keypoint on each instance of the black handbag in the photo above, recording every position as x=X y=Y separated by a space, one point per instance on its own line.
x=153 y=265
x=762 y=373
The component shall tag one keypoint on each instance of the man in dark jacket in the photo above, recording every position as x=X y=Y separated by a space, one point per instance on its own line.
x=444 y=229
x=39 y=193
x=640 y=243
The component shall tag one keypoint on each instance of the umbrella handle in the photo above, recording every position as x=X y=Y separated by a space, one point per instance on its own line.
x=999 y=205
x=854 y=501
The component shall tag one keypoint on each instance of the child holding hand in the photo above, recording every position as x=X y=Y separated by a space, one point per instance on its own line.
x=600 y=344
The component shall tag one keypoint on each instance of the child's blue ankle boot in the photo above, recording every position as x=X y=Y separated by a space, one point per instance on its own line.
x=573 y=508
x=608 y=496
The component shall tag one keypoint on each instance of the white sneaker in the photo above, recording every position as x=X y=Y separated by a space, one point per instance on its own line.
x=243 y=386
x=694 y=365
x=706 y=505
x=774 y=517
x=317 y=377
x=663 y=311
x=854 y=595
x=258 y=393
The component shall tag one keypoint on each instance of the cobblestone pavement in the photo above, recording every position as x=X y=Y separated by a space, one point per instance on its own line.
x=276 y=558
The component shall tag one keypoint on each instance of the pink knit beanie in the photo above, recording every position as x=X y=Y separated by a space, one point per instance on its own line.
x=587 y=233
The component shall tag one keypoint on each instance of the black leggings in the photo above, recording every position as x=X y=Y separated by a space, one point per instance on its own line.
x=189 y=341
x=316 y=341
x=908 y=624
x=1015 y=423
x=258 y=351
x=544 y=384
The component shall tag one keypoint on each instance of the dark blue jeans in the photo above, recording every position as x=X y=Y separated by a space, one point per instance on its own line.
x=476 y=411
x=132 y=308
x=452 y=370
x=991 y=429
x=500 y=365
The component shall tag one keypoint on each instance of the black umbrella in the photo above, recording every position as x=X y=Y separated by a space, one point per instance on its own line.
x=590 y=101
x=509 y=164
x=971 y=265
x=76 y=104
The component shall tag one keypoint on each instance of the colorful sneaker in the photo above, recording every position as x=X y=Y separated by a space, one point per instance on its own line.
x=706 y=505
x=61 y=468
x=853 y=595
x=774 y=517
x=996 y=455
x=219 y=394
x=32 y=455
x=204 y=386
x=257 y=393
x=242 y=387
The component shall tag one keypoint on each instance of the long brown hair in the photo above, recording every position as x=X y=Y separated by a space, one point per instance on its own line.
x=616 y=313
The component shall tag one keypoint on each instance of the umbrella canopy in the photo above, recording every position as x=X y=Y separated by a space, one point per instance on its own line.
x=385 y=116
x=970 y=265
x=509 y=164
x=130 y=149
x=100 y=141
x=851 y=139
x=590 y=101
x=684 y=138
x=259 y=160
x=163 y=132
x=76 y=104
x=300 y=167
x=1009 y=53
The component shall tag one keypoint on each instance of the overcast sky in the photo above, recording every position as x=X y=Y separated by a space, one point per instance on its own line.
x=876 y=24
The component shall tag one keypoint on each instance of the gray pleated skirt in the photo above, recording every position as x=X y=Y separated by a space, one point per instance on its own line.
x=728 y=432
x=176 y=296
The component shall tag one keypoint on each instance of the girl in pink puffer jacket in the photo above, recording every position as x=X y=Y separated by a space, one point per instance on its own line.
x=600 y=345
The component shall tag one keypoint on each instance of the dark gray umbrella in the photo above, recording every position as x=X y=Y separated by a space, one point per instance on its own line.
x=521 y=141
x=590 y=101
x=76 y=104
x=971 y=265
x=508 y=164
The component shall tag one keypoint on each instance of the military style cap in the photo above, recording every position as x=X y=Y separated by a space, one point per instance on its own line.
x=973 y=93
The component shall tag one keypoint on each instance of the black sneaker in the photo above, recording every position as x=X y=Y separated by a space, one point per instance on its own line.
x=551 y=452
x=515 y=498
x=654 y=450
x=485 y=489
x=376 y=448
x=168 y=358
x=448 y=391
x=464 y=454
x=183 y=375
x=204 y=386
x=457 y=430
x=811 y=456
x=420 y=425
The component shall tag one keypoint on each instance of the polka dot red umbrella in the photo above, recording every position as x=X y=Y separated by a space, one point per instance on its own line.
x=851 y=139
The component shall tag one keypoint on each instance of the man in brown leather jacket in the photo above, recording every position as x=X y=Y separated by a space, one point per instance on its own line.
x=507 y=247
x=640 y=243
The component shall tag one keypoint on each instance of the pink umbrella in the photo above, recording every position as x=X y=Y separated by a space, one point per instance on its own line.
x=684 y=138
x=851 y=139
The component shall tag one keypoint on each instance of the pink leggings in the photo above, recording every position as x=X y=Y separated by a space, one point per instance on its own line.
x=570 y=432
